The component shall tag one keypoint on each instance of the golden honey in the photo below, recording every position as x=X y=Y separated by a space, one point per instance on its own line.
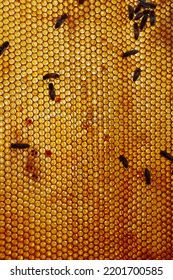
x=68 y=196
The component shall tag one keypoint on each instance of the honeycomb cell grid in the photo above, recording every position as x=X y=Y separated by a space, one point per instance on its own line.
x=79 y=190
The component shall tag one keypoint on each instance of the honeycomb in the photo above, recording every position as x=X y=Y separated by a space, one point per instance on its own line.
x=68 y=196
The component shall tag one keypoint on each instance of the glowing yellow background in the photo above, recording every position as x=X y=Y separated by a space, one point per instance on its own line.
x=81 y=203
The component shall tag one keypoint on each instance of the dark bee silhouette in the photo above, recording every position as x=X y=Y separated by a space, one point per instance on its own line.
x=19 y=146
x=138 y=8
x=60 y=20
x=129 y=53
x=152 y=18
x=3 y=47
x=147 y=176
x=146 y=12
x=166 y=155
x=131 y=12
x=136 y=30
x=136 y=74
x=143 y=21
x=148 y=5
x=51 y=92
x=124 y=161
x=139 y=15
x=50 y=76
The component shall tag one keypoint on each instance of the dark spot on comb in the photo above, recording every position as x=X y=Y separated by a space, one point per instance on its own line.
x=35 y=177
x=29 y=121
x=30 y=167
x=34 y=152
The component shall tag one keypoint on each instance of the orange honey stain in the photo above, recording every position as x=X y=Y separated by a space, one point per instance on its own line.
x=48 y=153
x=31 y=166
x=34 y=152
x=29 y=121
x=57 y=99
x=106 y=137
x=35 y=177
x=85 y=125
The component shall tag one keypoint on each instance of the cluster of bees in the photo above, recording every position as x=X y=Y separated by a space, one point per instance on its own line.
x=140 y=14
